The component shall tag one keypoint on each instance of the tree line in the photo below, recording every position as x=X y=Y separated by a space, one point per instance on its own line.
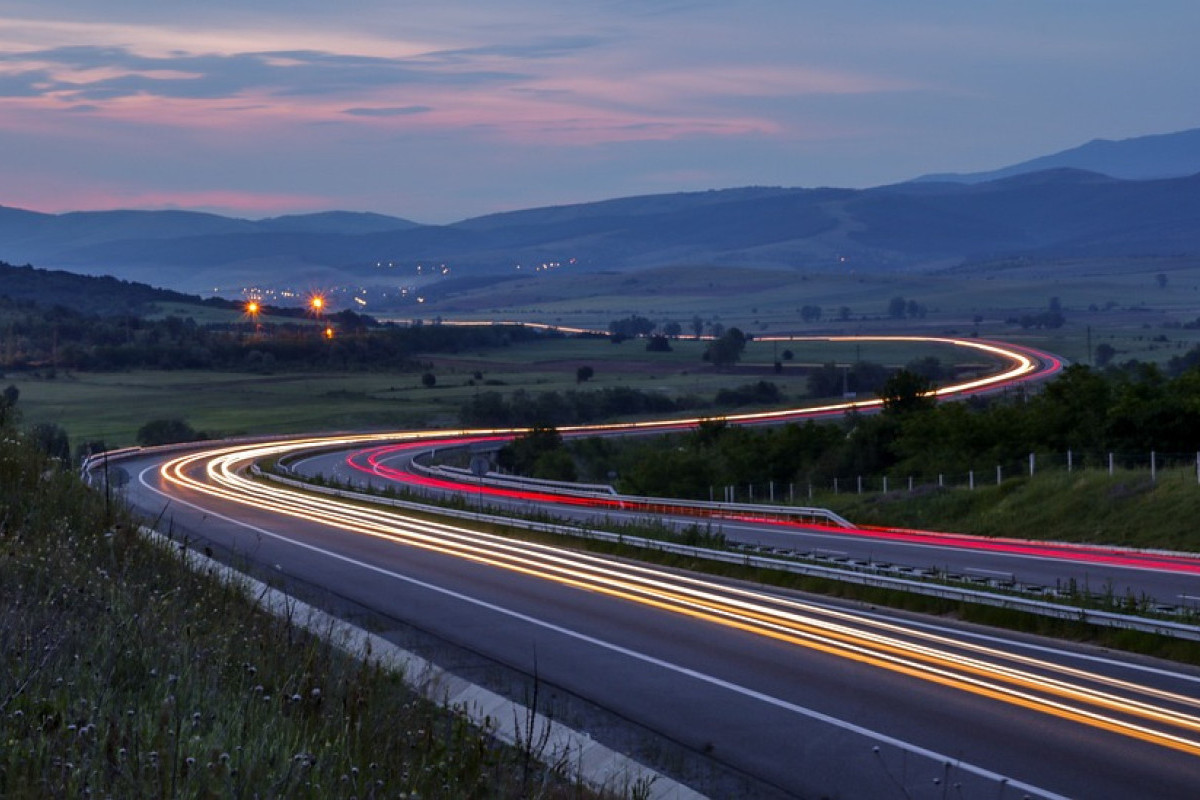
x=35 y=337
x=1137 y=408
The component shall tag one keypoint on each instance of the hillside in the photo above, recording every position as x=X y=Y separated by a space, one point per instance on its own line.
x=1165 y=155
x=1052 y=214
x=104 y=296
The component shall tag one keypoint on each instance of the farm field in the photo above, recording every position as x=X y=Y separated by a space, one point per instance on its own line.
x=110 y=407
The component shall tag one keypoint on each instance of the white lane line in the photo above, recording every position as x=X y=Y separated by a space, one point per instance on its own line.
x=939 y=758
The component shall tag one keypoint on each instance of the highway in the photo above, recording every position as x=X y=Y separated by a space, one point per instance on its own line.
x=741 y=690
x=1169 y=579
x=793 y=697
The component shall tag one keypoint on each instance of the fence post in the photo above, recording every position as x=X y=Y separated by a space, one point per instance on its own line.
x=835 y=486
x=885 y=484
x=910 y=483
x=1110 y=464
x=1032 y=461
x=941 y=479
x=999 y=475
x=1070 y=461
x=1153 y=468
x=860 y=484
x=971 y=479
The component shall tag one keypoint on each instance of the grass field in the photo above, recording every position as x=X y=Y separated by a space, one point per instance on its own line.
x=1123 y=302
x=110 y=407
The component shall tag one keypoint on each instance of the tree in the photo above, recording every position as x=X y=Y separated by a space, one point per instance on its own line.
x=897 y=307
x=658 y=344
x=1104 y=354
x=52 y=440
x=584 y=373
x=8 y=403
x=539 y=454
x=429 y=380
x=631 y=326
x=905 y=392
x=672 y=329
x=725 y=350
x=166 y=431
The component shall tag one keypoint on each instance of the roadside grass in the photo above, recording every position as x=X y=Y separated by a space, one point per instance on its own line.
x=125 y=674
x=1126 y=509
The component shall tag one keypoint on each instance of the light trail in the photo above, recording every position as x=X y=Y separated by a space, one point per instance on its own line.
x=1159 y=717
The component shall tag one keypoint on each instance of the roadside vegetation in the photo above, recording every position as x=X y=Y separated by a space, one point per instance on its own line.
x=1132 y=419
x=125 y=674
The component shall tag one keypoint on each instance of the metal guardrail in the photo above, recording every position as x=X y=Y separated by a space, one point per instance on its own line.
x=1102 y=618
x=649 y=504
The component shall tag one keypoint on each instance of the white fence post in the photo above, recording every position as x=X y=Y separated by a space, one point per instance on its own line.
x=885 y=484
x=971 y=479
x=1070 y=461
x=1032 y=461
x=1153 y=468
x=1110 y=465
x=999 y=475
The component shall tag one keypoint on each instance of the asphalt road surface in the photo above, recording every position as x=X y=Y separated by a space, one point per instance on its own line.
x=795 y=696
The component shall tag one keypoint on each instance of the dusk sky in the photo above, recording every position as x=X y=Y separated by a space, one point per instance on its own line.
x=441 y=111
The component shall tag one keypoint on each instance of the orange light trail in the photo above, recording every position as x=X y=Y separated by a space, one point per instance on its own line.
x=1159 y=717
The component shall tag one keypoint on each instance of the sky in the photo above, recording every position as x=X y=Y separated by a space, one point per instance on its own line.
x=441 y=111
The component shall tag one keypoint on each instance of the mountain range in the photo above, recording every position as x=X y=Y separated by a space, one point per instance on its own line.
x=1139 y=197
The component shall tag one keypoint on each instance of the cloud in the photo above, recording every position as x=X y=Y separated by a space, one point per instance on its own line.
x=399 y=111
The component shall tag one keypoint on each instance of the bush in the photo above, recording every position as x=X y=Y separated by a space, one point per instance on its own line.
x=167 y=431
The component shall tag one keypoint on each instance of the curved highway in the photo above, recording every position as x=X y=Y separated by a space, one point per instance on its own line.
x=797 y=697
x=790 y=696
x=1166 y=579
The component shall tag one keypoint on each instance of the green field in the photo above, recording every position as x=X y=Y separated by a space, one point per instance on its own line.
x=110 y=407
x=1123 y=302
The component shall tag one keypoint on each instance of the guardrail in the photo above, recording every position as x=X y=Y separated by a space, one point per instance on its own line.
x=1110 y=619
x=657 y=505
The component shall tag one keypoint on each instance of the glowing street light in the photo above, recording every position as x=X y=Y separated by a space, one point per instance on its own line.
x=328 y=331
x=252 y=308
x=316 y=303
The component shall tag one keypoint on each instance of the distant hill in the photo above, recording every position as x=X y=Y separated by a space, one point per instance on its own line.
x=1057 y=213
x=104 y=296
x=1167 y=155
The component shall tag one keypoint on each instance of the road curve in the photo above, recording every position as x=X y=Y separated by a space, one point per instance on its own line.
x=806 y=697
x=794 y=697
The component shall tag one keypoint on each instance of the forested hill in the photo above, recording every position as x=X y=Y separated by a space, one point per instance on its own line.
x=104 y=296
